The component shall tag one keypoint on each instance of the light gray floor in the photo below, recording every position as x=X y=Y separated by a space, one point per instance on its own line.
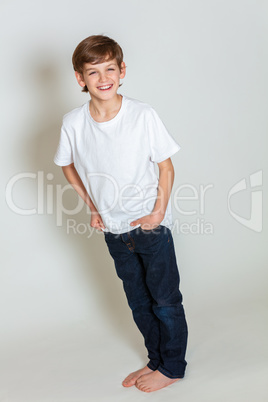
x=227 y=361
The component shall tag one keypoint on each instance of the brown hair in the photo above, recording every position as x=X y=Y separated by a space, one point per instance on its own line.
x=96 y=49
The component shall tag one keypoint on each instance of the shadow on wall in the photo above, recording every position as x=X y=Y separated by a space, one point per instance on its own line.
x=94 y=264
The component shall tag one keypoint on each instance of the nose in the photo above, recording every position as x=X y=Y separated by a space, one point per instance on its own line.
x=102 y=77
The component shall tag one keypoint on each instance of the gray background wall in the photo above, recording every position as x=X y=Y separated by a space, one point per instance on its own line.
x=203 y=67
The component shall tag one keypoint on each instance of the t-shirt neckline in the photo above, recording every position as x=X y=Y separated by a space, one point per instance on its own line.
x=108 y=122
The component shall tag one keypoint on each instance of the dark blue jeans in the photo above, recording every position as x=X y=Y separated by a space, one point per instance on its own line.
x=145 y=261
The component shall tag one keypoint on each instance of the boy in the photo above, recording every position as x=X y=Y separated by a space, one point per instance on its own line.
x=107 y=151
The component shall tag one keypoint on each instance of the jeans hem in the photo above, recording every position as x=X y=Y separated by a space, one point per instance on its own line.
x=151 y=366
x=162 y=371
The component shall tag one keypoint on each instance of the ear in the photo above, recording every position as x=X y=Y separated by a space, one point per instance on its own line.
x=123 y=70
x=80 y=79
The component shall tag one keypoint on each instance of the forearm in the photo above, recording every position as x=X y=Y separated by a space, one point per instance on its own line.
x=74 y=179
x=165 y=183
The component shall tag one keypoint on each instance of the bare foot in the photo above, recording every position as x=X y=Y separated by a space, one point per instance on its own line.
x=132 y=377
x=154 y=381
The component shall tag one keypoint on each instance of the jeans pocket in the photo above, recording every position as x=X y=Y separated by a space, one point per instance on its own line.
x=111 y=237
x=151 y=230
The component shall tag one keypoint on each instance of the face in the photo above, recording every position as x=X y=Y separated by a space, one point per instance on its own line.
x=102 y=80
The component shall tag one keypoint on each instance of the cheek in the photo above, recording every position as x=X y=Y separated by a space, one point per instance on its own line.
x=116 y=77
x=90 y=81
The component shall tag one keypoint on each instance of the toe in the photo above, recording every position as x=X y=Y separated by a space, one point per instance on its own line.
x=127 y=383
x=138 y=384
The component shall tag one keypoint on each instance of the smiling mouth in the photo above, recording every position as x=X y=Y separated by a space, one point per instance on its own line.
x=105 y=87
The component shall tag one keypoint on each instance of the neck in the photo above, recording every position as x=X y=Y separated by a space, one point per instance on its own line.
x=101 y=109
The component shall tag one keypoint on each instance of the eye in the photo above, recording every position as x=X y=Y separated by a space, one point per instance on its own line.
x=110 y=69
x=93 y=72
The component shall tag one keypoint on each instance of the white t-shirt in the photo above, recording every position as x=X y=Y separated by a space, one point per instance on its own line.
x=115 y=160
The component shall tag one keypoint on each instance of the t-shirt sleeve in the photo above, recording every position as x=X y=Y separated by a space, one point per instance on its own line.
x=162 y=144
x=64 y=154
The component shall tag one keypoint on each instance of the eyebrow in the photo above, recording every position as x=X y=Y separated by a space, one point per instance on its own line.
x=92 y=68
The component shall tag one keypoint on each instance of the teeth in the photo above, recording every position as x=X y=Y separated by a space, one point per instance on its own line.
x=106 y=87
